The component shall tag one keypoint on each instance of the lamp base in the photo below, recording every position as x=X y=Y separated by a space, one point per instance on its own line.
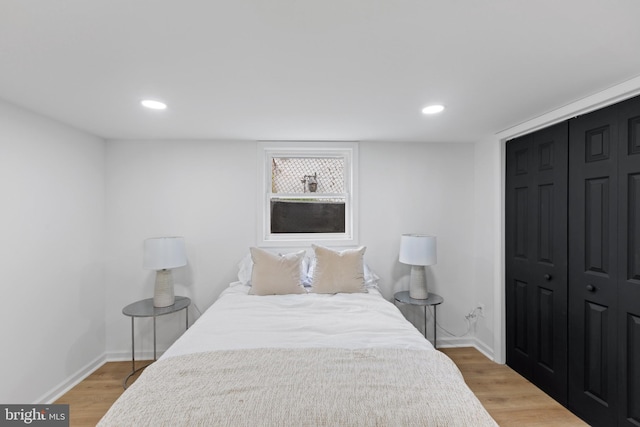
x=163 y=295
x=418 y=285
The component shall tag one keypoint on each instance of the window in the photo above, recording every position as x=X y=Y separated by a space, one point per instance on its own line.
x=307 y=193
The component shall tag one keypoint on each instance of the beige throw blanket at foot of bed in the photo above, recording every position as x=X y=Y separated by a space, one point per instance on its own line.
x=301 y=387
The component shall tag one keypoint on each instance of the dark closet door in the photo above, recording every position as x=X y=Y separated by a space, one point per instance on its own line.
x=593 y=265
x=536 y=258
x=629 y=263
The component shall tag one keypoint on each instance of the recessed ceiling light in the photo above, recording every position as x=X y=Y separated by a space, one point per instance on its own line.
x=154 y=105
x=433 y=109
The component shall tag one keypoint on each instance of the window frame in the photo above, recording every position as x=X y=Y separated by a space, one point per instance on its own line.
x=267 y=150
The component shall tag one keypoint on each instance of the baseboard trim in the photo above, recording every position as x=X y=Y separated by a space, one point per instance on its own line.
x=451 y=342
x=57 y=392
x=484 y=349
x=125 y=356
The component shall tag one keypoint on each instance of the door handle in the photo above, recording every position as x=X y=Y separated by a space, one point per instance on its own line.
x=591 y=288
x=547 y=277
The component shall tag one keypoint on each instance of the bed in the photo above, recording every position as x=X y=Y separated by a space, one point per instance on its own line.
x=300 y=358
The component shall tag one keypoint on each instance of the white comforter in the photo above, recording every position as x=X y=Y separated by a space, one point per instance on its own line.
x=241 y=321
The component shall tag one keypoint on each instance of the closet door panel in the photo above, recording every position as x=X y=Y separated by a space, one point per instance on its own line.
x=629 y=263
x=597 y=233
x=633 y=230
x=521 y=327
x=546 y=225
x=631 y=385
x=519 y=255
x=597 y=363
x=550 y=267
x=521 y=223
x=548 y=319
x=593 y=266
x=536 y=248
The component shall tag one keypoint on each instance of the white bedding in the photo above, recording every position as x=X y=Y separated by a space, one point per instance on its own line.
x=241 y=321
x=300 y=359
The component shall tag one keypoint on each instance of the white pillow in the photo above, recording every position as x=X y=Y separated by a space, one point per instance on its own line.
x=245 y=267
x=371 y=279
x=336 y=272
x=276 y=274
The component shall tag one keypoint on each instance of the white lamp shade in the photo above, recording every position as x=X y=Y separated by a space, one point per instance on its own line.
x=418 y=249
x=162 y=253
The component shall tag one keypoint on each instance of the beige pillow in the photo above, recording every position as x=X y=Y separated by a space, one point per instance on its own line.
x=276 y=274
x=338 y=271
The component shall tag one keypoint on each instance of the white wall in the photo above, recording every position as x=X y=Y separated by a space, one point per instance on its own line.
x=51 y=222
x=486 y=222
x=421 y=188
x=202 y=190
x=205 y=191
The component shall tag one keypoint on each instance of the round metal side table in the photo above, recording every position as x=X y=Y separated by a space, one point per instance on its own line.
x=145 y=308
x=433 y=300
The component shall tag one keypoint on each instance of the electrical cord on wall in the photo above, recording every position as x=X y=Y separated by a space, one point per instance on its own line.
x=469 y=318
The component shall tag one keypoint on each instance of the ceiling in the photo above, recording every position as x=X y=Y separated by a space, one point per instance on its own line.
x=311 y=69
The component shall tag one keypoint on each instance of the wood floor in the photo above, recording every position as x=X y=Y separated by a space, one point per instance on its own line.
x=510 y=399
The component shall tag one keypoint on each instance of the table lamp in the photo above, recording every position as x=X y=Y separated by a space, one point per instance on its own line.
x=418 y=250
x=162 y=254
